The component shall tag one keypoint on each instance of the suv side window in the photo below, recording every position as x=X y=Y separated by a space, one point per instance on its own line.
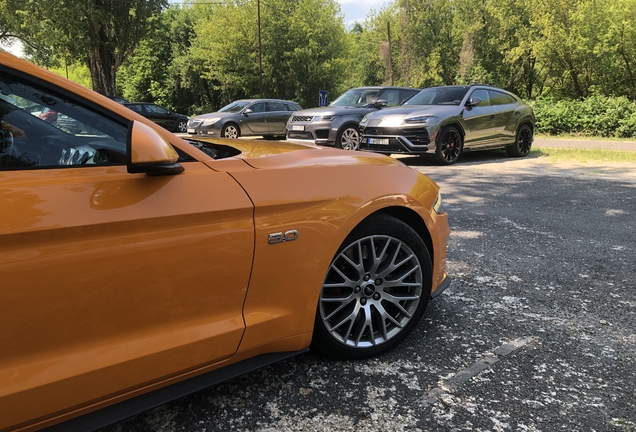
x=483 y=95
x=392 y=96
x=42 y=128
x=499 y=98
x=406 y=94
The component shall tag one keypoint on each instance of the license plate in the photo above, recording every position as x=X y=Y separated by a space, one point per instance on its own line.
x=192 y=131
x=298 y=127
x=379 y=141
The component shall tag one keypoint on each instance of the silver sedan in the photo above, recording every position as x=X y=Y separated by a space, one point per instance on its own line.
x=246 y=117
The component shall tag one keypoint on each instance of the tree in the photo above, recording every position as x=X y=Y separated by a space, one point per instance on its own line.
x=304 y=48
x=102 y=33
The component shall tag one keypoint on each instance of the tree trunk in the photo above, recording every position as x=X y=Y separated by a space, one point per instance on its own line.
x=102 y=72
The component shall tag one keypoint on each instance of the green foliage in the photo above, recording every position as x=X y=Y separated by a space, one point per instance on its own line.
x=76 y=72
x=594 y=116
x=304 y=49
x=101 y=34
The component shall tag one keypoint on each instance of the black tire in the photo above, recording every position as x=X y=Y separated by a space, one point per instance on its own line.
x=523 y=142
x=230 y=130
x=182 y=126
x=348 y=137
x=370 y=287
x=450 y=144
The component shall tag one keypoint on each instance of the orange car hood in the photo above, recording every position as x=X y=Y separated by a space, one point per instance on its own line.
x=282 y=154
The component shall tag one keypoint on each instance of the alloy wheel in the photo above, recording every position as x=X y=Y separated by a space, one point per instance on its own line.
x=371 y=292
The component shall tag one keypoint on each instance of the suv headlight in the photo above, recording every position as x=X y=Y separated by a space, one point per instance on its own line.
x=420 y=119
x=210 y=122
x=437 y=205
x=327 y=117
x=364 y=120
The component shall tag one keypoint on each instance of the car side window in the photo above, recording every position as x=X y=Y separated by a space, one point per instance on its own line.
x=135 y=108
x=406 y=94
x=499 y=98
x=391 y=96
x=290 y=107
x=258 y=107
x=40 y=127
x=276 y=106
x=483 y=95
x=156 y=109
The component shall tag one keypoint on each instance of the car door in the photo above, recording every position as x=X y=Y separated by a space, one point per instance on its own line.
x=255 y=122
x=479 y=120
x=505 y=119
x=159 y=115
x=109 y=281
x=277 y=118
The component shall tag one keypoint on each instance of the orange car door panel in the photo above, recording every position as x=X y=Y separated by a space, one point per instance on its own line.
x=109 y=280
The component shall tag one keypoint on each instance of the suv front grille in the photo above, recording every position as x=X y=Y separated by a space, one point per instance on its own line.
x=302 y=118
x=417 y=136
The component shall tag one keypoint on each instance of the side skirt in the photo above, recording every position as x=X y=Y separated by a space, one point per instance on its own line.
x=131 y=407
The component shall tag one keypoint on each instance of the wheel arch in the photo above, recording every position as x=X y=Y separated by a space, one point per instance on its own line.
x=231 y=122
x=412 y=219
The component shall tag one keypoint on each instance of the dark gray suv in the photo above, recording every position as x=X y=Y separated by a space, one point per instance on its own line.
x=337 y=124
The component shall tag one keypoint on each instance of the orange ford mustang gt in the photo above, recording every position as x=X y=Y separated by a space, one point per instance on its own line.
x=137 y=267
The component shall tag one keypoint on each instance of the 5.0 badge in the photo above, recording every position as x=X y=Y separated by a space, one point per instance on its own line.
x=282 y=237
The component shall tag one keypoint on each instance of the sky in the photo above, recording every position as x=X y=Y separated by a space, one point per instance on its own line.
x=353 y=10
x=357 y=10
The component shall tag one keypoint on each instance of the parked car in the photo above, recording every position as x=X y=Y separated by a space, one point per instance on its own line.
x=245 y=117
x=450 y=119
x=119 y=99
x=172 y=121
x=337 y=124
x=137 y=267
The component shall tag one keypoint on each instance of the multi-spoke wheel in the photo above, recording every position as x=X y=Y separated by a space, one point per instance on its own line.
x=523 y=142
x=449 y=145
x=348 y=138
x=230 y=131
x=182 y=126
x=375 y=291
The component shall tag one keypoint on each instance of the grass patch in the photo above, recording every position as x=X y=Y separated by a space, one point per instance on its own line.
x=570 y=136
x=584 y=155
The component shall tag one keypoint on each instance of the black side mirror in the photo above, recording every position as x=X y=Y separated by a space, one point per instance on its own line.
x=380 y=103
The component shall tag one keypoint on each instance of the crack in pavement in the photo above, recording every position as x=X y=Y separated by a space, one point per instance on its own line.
x=450 y=385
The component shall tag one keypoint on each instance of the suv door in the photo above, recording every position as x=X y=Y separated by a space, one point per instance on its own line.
x=109 y=281
x=480 y=120
x=505 y=124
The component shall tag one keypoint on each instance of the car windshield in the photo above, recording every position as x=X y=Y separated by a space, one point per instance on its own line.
x=439 y=96
x=356 y=97
x=234 y=107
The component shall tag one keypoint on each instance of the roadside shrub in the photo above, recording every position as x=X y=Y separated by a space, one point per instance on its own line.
x=595 y=116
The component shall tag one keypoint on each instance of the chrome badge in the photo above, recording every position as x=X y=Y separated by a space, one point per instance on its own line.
x=280 y=237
